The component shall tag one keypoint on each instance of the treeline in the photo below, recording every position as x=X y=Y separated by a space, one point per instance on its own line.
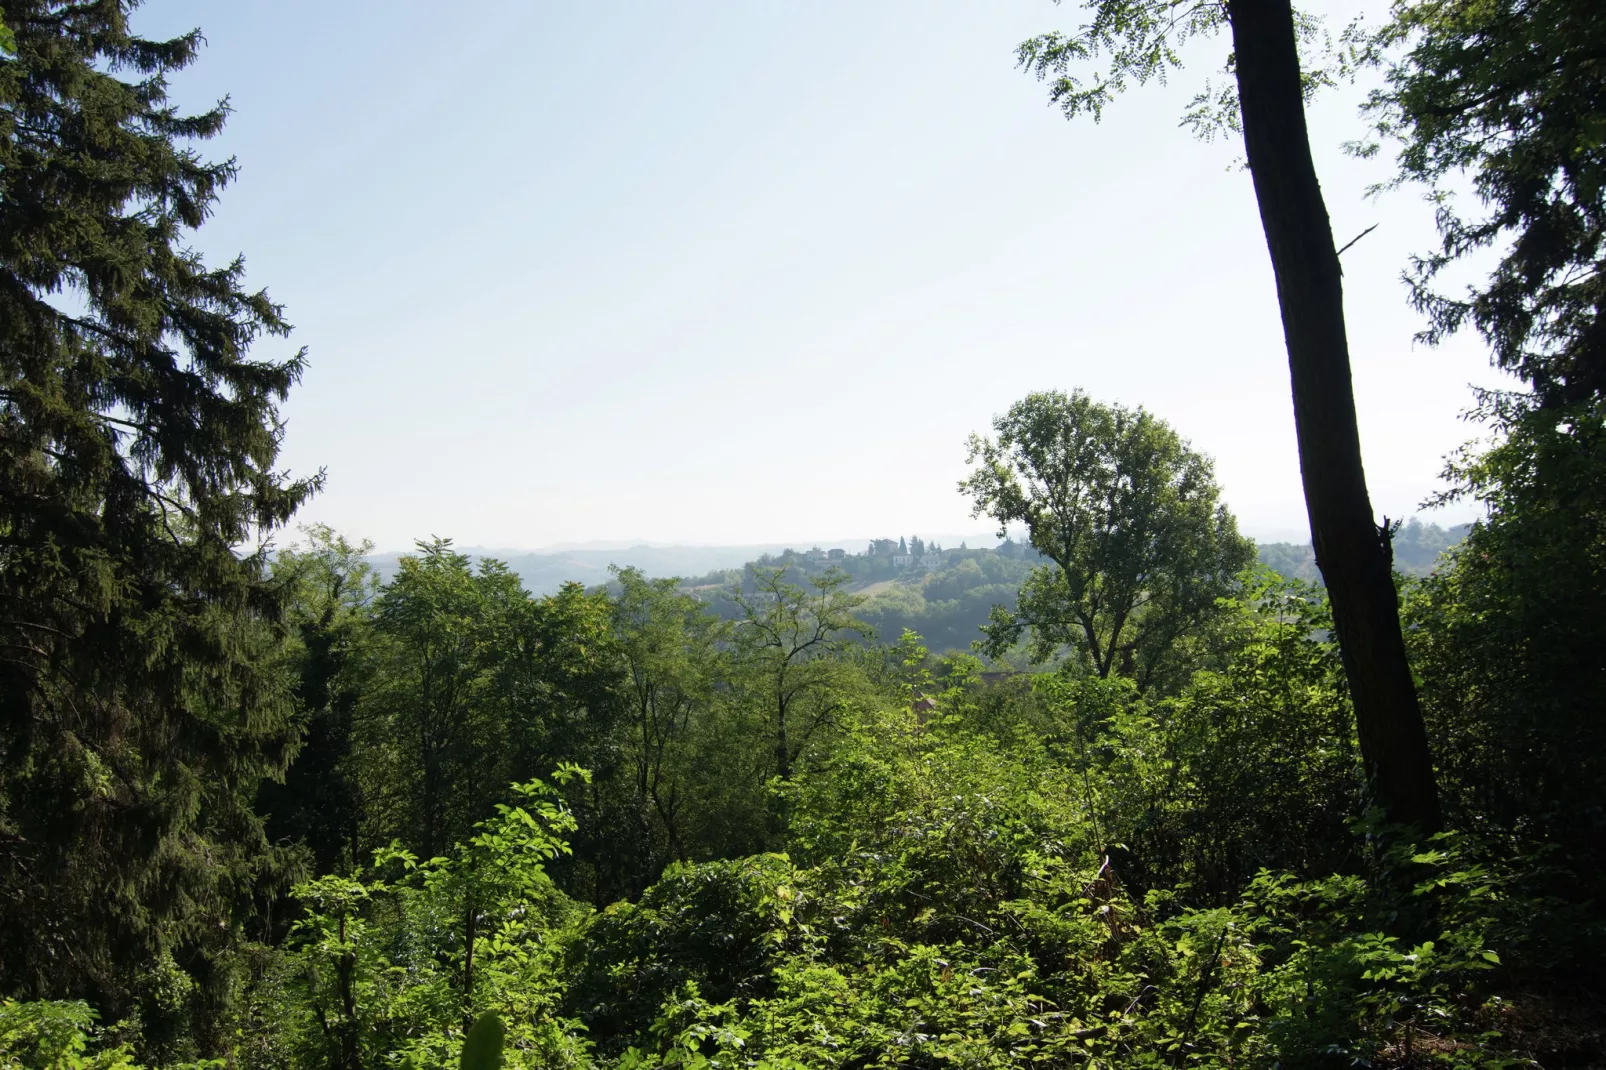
x=948 y=604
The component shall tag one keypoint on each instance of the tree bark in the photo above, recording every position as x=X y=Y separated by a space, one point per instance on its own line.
x=1351 y=550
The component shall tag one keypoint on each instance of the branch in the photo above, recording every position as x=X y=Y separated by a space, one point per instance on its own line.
x=1355 y=239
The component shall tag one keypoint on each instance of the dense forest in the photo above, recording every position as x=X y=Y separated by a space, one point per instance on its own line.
x=1118 y=795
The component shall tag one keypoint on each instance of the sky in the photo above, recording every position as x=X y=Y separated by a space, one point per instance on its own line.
x=718 y=273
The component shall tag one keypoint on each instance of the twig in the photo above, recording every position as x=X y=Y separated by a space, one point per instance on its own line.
x=1357 y=238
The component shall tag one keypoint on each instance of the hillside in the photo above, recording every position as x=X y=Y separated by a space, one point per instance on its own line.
x=947 y=602
x=1417 y=547
x=545 y=572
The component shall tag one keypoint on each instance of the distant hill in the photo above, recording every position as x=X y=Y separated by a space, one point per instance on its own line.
x=545 y=572
x=1417 y=547
x=947 y=604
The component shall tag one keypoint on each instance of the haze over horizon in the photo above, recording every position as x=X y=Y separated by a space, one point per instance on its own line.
x=717 y=275
x=852 y=543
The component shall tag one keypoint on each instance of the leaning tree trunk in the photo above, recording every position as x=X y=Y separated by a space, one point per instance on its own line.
x=1351 y=550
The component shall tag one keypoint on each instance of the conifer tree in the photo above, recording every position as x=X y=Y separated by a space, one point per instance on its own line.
x=139 y=706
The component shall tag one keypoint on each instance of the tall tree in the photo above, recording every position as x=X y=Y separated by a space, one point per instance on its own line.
x=1352 y=549
x=139 y=440
x=1498 y=108
x=556 y=691
x=789 y=642
x=556 y=683
x=433 y=745
x=1132 y=519
x=670 y=646
x=318 y=802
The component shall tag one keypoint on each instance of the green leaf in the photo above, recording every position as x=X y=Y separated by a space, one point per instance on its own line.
x=482 y=1047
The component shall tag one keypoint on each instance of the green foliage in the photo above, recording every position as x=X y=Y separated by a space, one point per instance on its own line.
x=1005 y=872
x=397 y=967
x=482 y=1046
x=1511 y=94
x=1141 y=41
x=445 y=630
x=66 y=1035
x=690 y=773
x=790 y=647
x=1251 y=766
x=710 y=926
x=473 y=685
x=55 y=1035
x=671 y=648
x=1131 y=518
x=140 y=698
x=951 y=910
x=949 y=606
x=330 y=612
x=1507 y=637
x=1142 y=858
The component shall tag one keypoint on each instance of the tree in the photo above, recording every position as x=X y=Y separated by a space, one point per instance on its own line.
x=1507 y=637
x=1131 y=518
x=556 y=683
x=671 y=649
x=1512 y=93
x=139 y=438
x=1268 y=108
x=434 y=744
x=331 y=615
x=789 y=641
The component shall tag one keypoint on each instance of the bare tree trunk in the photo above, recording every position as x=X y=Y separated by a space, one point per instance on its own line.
x=1351 y=550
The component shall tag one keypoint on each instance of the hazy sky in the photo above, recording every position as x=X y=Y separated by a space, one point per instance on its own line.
x=740 y=272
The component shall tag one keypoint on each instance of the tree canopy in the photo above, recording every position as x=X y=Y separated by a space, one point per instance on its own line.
x=139 y=439
x=1130 y=516
x=1511 y=94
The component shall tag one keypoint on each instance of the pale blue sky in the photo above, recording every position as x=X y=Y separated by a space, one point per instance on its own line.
x=741 y=272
